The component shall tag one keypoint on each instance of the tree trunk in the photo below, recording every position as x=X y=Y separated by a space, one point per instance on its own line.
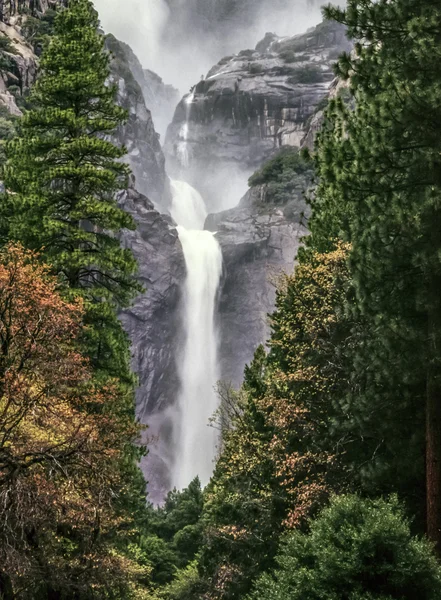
x=433 y=417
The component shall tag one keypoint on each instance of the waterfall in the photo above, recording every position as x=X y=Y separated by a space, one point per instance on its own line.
x=188 y=206
x=182 y=147
x=195 y=441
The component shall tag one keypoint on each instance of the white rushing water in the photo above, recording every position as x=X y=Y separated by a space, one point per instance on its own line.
x=182 y=148
x=195 y=441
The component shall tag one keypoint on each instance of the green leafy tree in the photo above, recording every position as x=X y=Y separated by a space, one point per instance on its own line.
x=356 y=549
x=62 y=176
x=279 y=459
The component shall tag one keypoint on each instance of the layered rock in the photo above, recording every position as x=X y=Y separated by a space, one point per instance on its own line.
x=252 y=104
x=153 y=326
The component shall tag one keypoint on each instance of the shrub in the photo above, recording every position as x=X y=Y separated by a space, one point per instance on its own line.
x=285 y=176
x=307 y=74
x=255 y=68
x=356 y=549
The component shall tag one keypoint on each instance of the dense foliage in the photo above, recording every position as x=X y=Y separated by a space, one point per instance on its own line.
x=319 y=489
x=347 y=399
x=355 y=549
x=73 y=499
x=284 y=178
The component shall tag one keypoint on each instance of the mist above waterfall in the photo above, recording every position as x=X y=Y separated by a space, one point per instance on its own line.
x=181 y=40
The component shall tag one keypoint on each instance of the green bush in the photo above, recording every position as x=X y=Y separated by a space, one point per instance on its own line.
x=307 y=74
x=255 y=68
x=356 y=550
x=6 y=45
x=285 y=176
x=161 y=559
x=187 y=585
x=187 y=543
x=38 y=31
x=6 y=48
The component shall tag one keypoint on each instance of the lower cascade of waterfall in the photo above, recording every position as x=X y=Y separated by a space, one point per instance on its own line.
x=195 y=440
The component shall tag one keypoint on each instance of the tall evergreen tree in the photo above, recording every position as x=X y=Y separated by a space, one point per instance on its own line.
x=379 y=166
x=62 y=175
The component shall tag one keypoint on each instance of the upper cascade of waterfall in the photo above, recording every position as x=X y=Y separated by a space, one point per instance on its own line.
x=188 y=207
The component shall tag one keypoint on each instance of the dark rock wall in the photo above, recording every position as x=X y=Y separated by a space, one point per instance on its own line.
x=153 y=325
x=259 y=243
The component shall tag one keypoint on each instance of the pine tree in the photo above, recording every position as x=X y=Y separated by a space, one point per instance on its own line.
x=62 y=175
x=379 y=167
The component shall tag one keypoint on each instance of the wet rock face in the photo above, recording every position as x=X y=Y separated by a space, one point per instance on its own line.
x=259 y=243
x=138 y=135
x=252 y=104
x=153 y=326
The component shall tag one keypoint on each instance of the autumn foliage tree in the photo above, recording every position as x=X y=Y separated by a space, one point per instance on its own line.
x=279 y=458
x=60 y=446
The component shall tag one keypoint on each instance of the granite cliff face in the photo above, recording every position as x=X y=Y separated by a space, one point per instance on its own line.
x=138 y=135
x=153 y=325
x=259 y=242
x=252 y=104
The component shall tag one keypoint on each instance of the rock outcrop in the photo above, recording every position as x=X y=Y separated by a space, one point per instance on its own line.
x=259 y=242
x=252 y=104
x=138 y=135
x=19 y=66
x=11 y=8
x=161 y=98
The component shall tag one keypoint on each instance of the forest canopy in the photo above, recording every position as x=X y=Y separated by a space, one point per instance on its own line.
x=327 y=483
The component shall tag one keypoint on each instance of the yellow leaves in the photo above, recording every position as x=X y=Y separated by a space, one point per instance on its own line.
x=61 y=445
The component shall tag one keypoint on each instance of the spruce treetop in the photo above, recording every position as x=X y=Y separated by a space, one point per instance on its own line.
x=63 y=172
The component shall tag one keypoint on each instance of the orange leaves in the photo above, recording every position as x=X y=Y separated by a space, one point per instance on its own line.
x=61 y=445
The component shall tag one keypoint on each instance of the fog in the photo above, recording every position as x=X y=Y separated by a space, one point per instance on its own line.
x=182 y=39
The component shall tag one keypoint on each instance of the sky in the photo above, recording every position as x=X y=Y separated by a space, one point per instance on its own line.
x=143 y=23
